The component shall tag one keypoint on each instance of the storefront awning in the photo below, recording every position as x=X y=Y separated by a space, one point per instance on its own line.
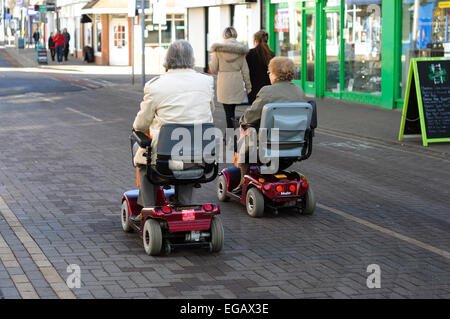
x=105 y=7
x=85 y=19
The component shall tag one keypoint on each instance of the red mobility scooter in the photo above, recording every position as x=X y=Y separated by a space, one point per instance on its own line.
x=170 y=225
x=295 y=123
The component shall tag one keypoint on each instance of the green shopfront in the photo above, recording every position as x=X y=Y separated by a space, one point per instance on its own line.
x=357 y=50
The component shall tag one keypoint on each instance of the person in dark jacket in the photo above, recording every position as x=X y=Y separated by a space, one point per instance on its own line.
x=51 y=46
x=36 y=37
x=67 y=41
x=258 y=59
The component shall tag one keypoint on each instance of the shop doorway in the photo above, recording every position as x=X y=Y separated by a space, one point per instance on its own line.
x=309 y=33
x=332 y=48
x=118 y=42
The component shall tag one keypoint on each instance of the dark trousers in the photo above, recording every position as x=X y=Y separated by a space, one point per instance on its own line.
x=229 y=114
x=66 y=52
x=147 y=191
x=59 y=52
x=53 y=53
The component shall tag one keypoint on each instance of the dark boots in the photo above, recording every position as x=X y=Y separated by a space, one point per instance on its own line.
x=244 y=169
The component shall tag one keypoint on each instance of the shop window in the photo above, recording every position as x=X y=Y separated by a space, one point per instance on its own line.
x=179 y=30
x=426 y=32
x=333 y=39
x=362 y=35
x=169 y=33
x=88 y=34
x=99 y=36
x=288 y=33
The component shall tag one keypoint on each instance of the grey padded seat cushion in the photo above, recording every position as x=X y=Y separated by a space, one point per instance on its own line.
x=166 y=142
x=193 y=173
x=292 y=120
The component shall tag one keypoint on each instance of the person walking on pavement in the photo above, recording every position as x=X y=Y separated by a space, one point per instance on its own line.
x=258 y=59
x=67 y=41
x=51 y=46
x=228 y=59
x=36 y=37
x=59 y=41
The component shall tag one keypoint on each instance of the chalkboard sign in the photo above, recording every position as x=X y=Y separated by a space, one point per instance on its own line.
x=41 y=55
x=426 y=109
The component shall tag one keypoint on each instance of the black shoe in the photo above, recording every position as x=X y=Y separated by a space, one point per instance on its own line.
x=135 y=218
x=237 y=190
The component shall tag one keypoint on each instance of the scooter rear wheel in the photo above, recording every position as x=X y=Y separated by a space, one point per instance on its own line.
x=310 y=202
x=222 y=189
x=125 y=218
x=255 y=202
x=216 y=234
x=152 y=237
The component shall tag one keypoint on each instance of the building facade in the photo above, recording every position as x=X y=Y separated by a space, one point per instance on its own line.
x=68 y=16
x=206 y=20
x=106 y=28
x=357 y=50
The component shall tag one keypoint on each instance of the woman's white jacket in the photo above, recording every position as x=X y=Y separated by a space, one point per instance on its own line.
x=178 y=96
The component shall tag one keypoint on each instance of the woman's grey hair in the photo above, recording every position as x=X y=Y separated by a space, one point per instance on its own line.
x=180 y=55
x=229 y=32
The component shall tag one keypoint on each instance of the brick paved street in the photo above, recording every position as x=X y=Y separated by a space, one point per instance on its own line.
x=65 y=162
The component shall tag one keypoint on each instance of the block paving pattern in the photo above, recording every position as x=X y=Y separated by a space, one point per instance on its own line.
x=62 y=175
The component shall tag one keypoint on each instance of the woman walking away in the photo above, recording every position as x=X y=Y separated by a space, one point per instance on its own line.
x=51 y=46
x=228 y=59
x=258 y=59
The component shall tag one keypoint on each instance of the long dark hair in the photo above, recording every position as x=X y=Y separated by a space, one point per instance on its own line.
x=262 y=49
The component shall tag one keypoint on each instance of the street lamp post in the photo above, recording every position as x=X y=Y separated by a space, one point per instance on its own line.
x=143 y=40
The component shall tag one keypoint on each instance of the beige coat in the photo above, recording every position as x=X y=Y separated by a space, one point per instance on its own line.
x=228 y=59
x=178 y=96
x=279 y=92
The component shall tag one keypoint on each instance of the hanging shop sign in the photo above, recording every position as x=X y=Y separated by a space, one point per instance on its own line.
x=426 y=109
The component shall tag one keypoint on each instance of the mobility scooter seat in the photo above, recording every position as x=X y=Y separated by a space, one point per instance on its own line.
x=181 y=157
x=293 y=121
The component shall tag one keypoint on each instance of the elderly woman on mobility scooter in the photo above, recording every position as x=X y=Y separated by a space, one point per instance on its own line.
x=180 y=98
x=281 y=73
x=182 y=95
x=281 y=106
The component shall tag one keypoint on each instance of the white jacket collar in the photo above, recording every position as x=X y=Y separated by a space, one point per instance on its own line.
x=180 y=70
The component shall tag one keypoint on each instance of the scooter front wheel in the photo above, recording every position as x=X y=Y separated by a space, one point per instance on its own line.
x=152 y=237
x=222 y=189
x=125 y=218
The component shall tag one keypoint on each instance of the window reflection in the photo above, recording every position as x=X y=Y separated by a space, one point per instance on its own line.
x=288 y=33
x=426 y=32
x=362 y=35
x=169 y=33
